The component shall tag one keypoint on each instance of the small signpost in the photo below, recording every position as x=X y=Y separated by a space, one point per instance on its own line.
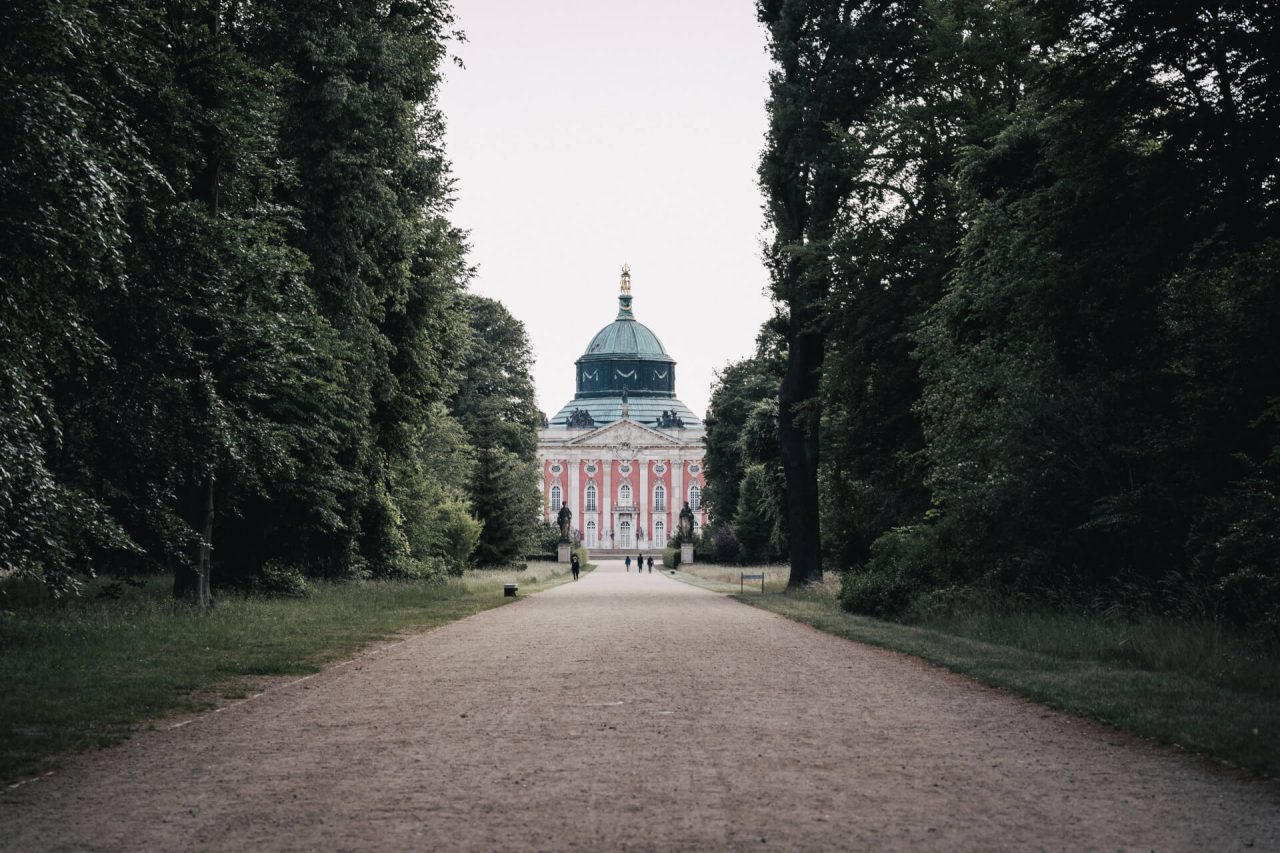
x=743 y=578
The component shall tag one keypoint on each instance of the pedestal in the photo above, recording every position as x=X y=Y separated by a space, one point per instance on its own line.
x=563 y=552
x=686 y=554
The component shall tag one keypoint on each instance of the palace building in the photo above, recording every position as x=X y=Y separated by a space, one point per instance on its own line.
x=624 y=454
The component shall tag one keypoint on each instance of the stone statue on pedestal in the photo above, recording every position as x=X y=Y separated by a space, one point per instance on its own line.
x=564 y=519
x=686 y=524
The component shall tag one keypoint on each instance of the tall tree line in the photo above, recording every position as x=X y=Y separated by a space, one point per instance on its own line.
x=1024 y=255
x=233 y=305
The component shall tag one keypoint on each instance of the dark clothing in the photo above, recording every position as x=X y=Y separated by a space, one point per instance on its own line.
x=575 y=566
x=651 y=564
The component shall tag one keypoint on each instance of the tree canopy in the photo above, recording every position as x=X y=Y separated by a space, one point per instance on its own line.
x=234 y=306
x=1024 y=256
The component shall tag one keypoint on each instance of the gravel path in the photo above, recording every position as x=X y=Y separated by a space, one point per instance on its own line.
x=638 y=713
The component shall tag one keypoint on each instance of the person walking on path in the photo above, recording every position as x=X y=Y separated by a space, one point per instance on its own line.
x=628 y=562
x=575 y=566
x=650 y=564
x=639 y=562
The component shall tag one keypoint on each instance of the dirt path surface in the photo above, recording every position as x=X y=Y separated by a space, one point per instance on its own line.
x=636 y=713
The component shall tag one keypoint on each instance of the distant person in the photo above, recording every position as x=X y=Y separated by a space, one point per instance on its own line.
x=575 y=566
x=639 y=563
x=628 y=562
x=650 y=564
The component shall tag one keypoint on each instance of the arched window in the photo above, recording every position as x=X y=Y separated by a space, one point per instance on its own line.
x=695 y=497
x=659 y=533
x=624 y=535
x=624 y=494
x=591 y=534
x=556 y=498
x=659 y=498
x=591 y=498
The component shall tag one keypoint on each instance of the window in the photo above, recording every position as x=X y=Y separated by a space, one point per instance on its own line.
x=659 y=498
x=591 y=499
x=659 y=533
x=624 y=494
x=695 y=497
x=624 y=535
x=591 y=534
x=556 y=498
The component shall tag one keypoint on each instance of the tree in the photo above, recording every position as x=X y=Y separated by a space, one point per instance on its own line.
x=833 y=60
x=386 y=268
x=736 y=392
x=494 y=403
x=892 y=255
x=235 y=290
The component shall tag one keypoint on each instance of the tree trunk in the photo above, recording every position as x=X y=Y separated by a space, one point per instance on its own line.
x=204 y=593
x=798 y=421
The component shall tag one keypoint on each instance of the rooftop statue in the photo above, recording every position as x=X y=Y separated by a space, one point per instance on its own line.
x=669 y=420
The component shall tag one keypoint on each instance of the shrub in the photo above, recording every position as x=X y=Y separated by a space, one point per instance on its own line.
x=704 y=549
x=547 y=538
x=724 y=545
x=671 y=557
x=454 y=533
x=283 y=579
x=905 y=563
x=409 y=569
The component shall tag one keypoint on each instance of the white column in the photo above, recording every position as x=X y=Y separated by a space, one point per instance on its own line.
x=575 y=507
x=606 y=506
x=676 y=500
x=643 y=500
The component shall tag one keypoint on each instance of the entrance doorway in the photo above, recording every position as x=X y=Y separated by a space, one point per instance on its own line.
x=625 y=542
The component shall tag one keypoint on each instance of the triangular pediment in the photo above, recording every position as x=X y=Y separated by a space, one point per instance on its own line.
x=624 y=433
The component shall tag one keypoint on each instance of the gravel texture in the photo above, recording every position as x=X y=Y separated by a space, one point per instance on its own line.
x=636 y=712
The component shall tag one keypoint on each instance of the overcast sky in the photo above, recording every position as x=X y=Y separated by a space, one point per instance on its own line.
x=589 y=133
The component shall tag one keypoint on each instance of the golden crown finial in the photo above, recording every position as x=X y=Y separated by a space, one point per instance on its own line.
x=626 y=278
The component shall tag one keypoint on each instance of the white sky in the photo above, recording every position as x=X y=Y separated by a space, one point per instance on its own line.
x=588 y=133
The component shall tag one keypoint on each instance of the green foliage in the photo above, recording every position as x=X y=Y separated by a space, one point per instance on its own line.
x=737 y=391
x=724 y=545
x=704 y=548
x=284 y=579
x=904 y=564
x=229 y=270
x=547 y=539
x=759 y=524
x=671 y=557
x=494 y=403
x=1037 y=247
x=453 y=535
x=835 y=61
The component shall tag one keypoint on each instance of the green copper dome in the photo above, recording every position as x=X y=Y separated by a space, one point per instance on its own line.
x=626 y=358
x=625 y=336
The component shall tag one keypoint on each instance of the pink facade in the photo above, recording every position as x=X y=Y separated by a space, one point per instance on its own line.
x=624 y=504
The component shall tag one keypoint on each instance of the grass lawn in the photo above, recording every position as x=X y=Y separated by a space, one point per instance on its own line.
x=1194 y=685
x=83 y=673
